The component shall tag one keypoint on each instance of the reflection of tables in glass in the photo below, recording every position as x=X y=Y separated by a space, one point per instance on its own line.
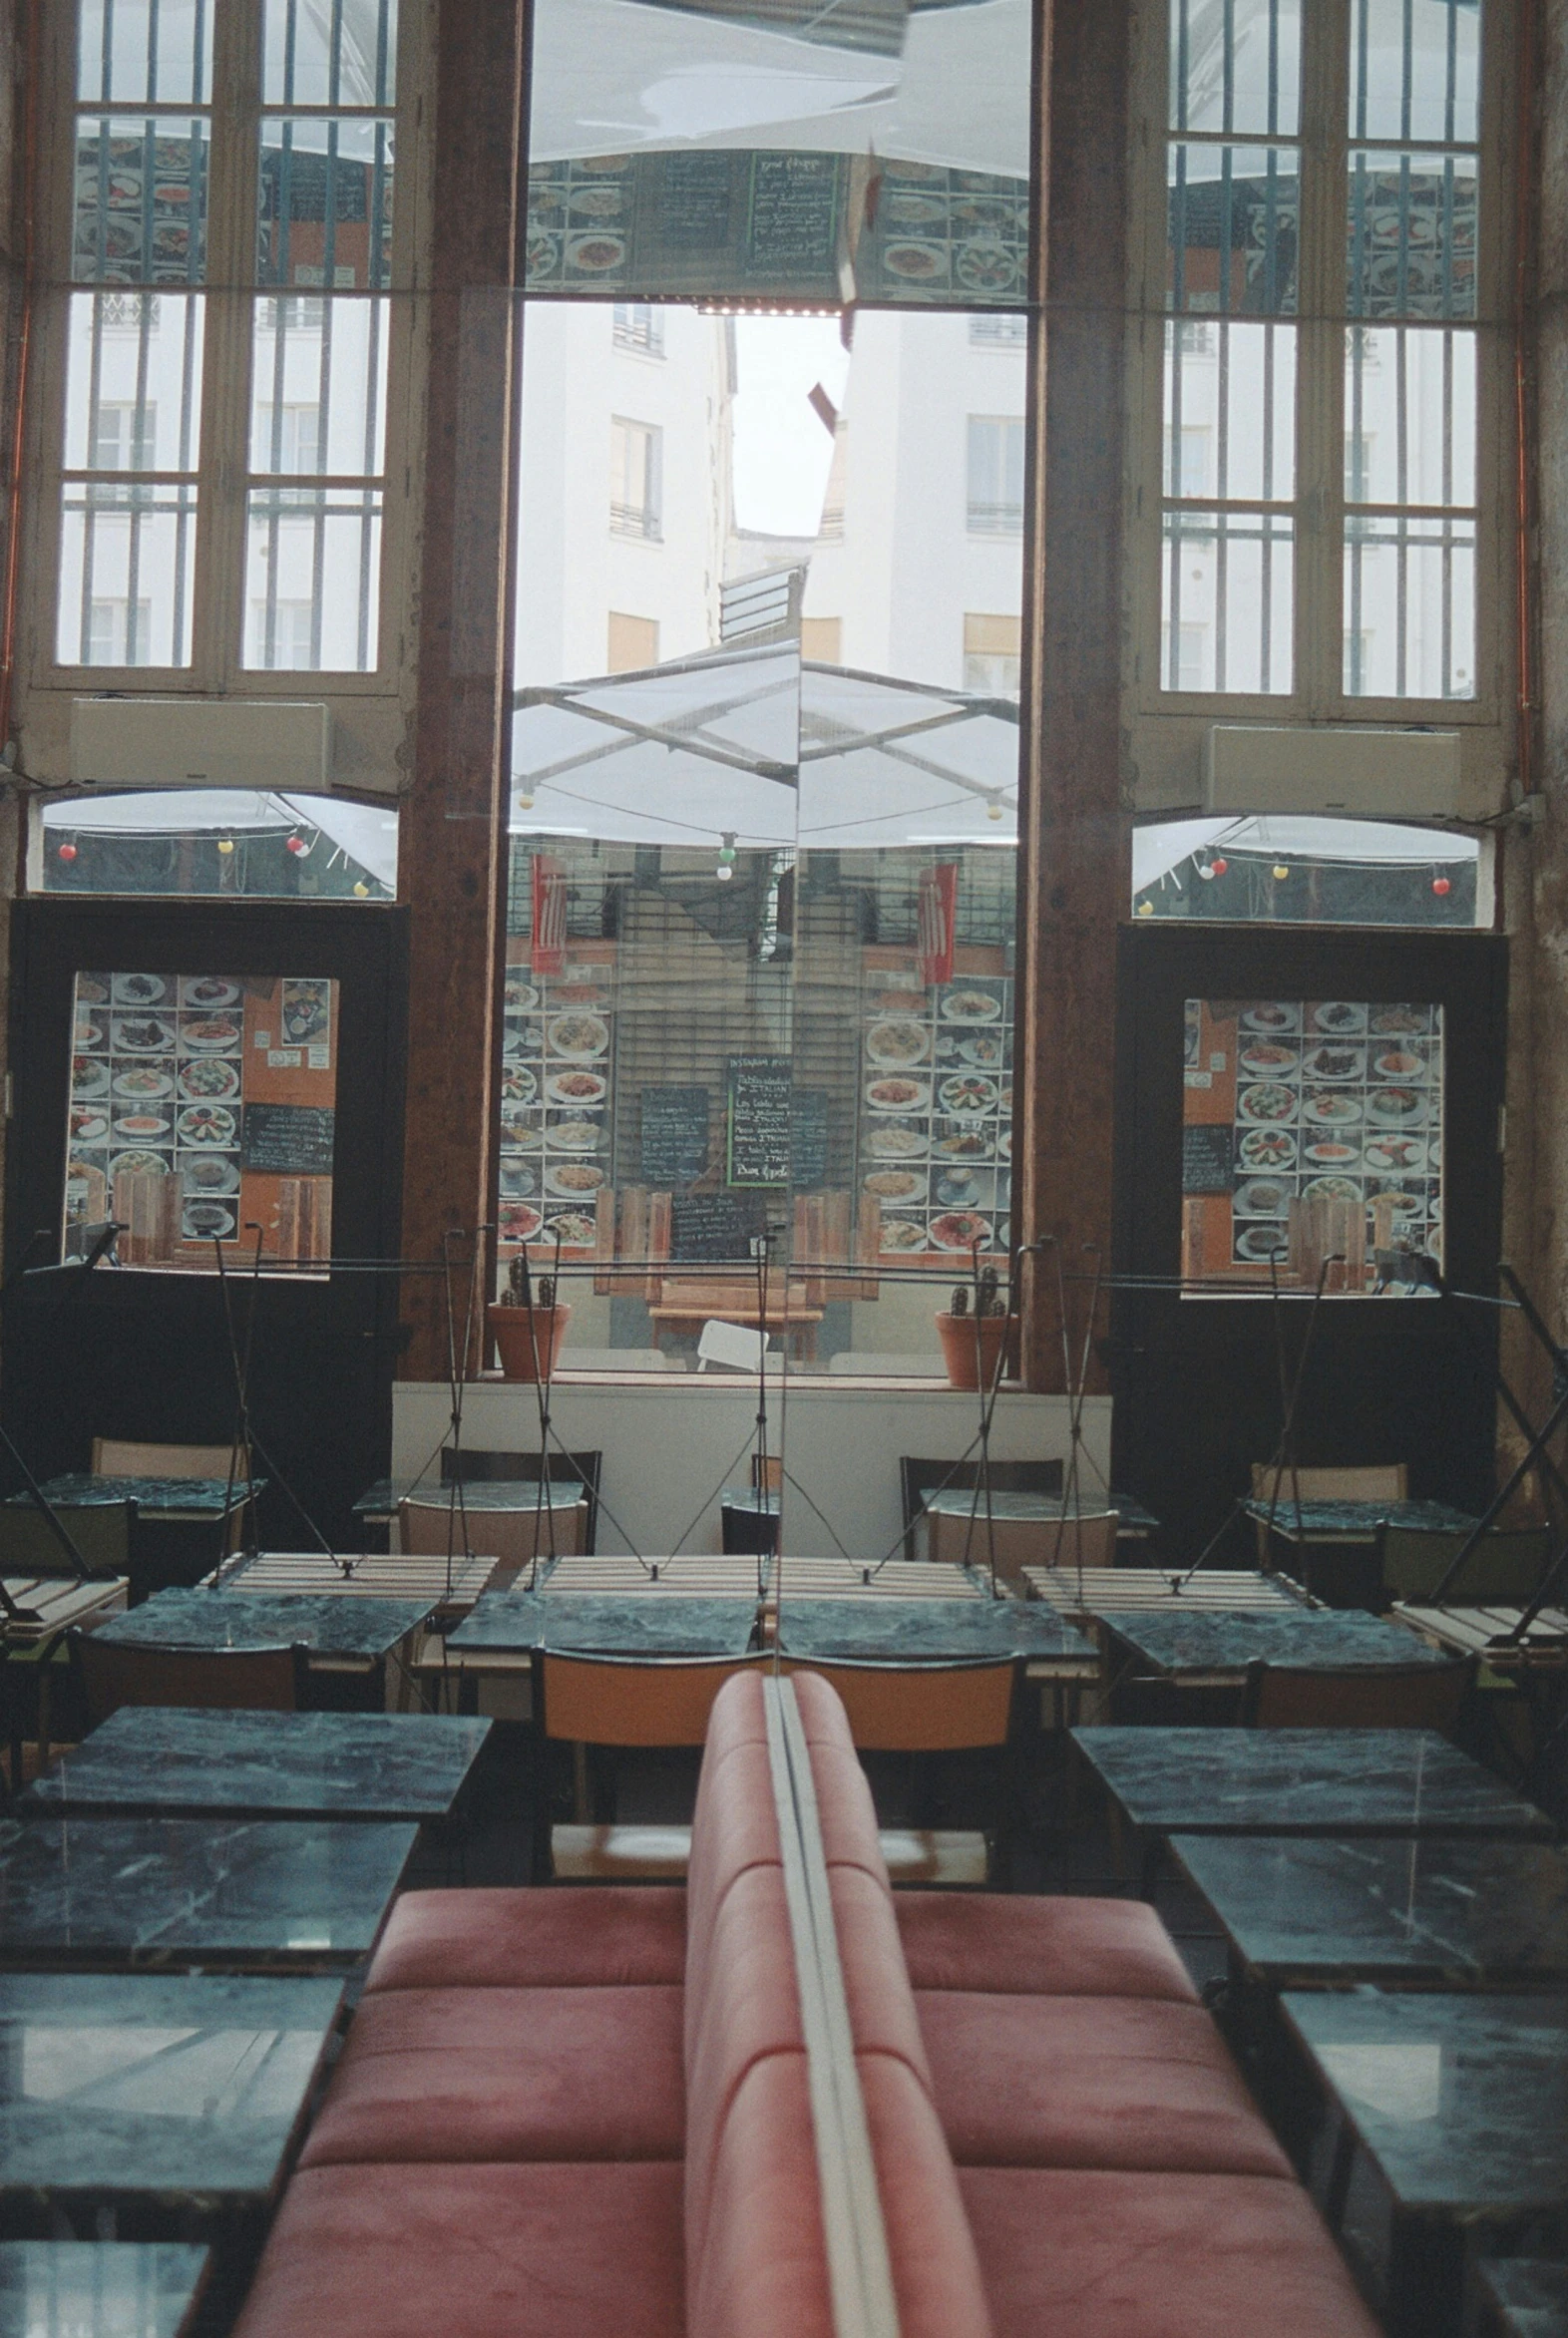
x=448 y=1584
x=156 y=1758
x=1488 y=1633
x=106 y=1892
x=698 y=1572
x=1353 y=1522
x=652 y=1624
x=1528 y=2298
x=1328 y=1913
x=742 y=1576
x=340 y=1635
x=51 y=1604
x=749 y=1518
x=100 y=2288
x=936 y=1630
x=1459 y=2106
x=1007 y=1513
x=377 y=1506
x=1212 y=1647
x=181 y=2091
x=165 y=1499
x=1124 y=1591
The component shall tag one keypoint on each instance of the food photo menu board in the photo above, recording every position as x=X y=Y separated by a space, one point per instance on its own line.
x=1291 y=1104
x=201 y=1105
x=934 y=1146
x=555 y=1099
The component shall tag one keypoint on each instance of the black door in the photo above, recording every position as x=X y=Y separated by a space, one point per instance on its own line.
x=1197 y=1378
x=145 y=1355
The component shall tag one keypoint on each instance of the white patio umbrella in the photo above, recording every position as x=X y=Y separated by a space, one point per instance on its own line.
x=1163 y=846
x=367 y=833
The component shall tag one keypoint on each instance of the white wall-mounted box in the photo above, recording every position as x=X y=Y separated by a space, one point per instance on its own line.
x=256 y=743
x=1381 y=774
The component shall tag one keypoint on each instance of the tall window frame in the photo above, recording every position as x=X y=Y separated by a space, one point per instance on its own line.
x=246 y=109
x=1319 y=313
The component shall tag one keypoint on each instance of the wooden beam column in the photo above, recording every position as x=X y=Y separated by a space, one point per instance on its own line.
x=1074 y=877
x=451 y=860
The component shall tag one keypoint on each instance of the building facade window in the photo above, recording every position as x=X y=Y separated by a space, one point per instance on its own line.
x=996 y=475
x=635 y=479
x=638 y=326
x=993 y=654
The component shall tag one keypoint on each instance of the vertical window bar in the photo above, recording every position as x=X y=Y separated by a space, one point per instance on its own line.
x=199 y=54
x=106 y=77
x=1265 y=581
x=323 y=465
x=1447 y=235
x=1221 y=585
x=182 y=504
x=383 y=57
x=89 y=495
x=335 y=54
x=1228 y=68
x=1273 y=70
x=1222 y=416
x=1363 y=48
x=137 y=495
x=290 y=49
x=1227 y=199
x=1359 y=245
x=1450 y=106
x=1175 y=557
x=1183 y=59
x=1406 y=69
x=151 y=57
x=366 y=501
x=1178 y=232
x=329 y=209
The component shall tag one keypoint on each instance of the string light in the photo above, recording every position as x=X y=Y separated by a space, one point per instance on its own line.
x=1442 y=884
x=1218 y=868
x=1280 y=872
x=296 y=844
x=727 y=858
x=994 y=809
x=67 y=851
x=361 y=887
x=226 y=845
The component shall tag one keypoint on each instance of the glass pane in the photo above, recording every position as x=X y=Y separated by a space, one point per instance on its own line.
x=318 y=386
x=1286 y=868
x=1410 y=609
x=125 y=559
x=1415 y=71
x=141 y=201
x=134 y=381
x=231 y=841
x=818 y=156
x=329 y=52
x=1410 y=416
x=145 y=52
x=1412 y=227
x=1230 y=412
x=1225 y=603
x=312 y=578
x=326 y=203
x=201 y=1106
x=1235 y=66
x=1311 y=1144
x=1233 y=230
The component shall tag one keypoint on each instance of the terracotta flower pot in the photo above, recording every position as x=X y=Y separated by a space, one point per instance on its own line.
x=958 y=1348
x=528 y=1346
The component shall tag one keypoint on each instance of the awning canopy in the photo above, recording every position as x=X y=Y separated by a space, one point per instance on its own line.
x=365 y=832
x=1166 y=844
x=780 y=754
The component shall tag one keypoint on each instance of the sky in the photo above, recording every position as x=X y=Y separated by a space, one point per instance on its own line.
x=782 y=451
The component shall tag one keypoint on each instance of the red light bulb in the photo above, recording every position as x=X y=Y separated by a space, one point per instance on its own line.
x=1218 y=867
x=68 y=851
x=1441 y=885
x=294 y=844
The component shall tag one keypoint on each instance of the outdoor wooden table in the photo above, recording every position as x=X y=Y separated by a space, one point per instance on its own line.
x=100 y=2288
x=160 y=1498
x=1165 y=1782
x=1211 y=1648
x=451 y=1585
x=694 y=1571
x=745 y=1575
x=1458 y=2104
x=173 y=2093
x=115 y=1894
x=1335 y=1913
x=835 y=1578
x=182 y=1763
x=51 y=1604
x=1119 y=1591
x=1486 y=1632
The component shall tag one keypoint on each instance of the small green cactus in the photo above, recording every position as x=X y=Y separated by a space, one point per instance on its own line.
x=960 y=1305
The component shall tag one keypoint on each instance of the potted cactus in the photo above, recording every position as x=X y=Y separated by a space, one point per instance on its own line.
x=528 y=1338
x=973 y=1332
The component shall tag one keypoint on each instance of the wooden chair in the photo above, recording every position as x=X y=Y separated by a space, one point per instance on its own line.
x=103 y=1532
x=1505 y=1565
x=1356 y=1697
x=923 y=1710
x=625 y=1701
x=111 y=1674
x=919 y=1478
x=512 y=1536
x=127 y=1457
x=583 y=1470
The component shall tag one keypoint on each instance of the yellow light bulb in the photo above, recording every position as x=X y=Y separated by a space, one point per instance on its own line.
x=361 y=887
x=1281 y=872
x=226 y=844
x=1145 y=909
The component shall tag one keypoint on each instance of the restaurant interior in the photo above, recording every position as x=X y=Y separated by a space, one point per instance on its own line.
x=793 y=1561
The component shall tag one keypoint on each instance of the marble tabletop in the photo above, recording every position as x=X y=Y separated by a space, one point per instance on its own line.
x=957 y=1501
x=1305 y=1782
x=1222 y=1643
x=349 y=1630
x=168 y=1497
x=186 y=2089
x=588 y=1623
x=265 y=1764
x=1325 y=1521
x=905 y=1631
x=1460 y=1915
x=490 y=1493
x=107 y=1892
x=1528 y=2296
x=99 y=2288
x=1461 y=2099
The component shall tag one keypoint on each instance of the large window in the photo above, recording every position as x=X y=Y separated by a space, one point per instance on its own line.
x=1324 y=282
x=226 y=258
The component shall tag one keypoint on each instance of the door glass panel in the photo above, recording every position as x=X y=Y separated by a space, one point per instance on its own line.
x=141 y=201
x=1311 y=1146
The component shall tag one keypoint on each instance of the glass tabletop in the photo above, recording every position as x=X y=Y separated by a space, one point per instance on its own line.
x=172 y=1496
x=1462 y=2100
x=1323 y=1520
x=129 y=2086
x=108 y=1891
x=354 y=1630
x=964 y=1502
x=494 y=1493
x=1462 y=1914
x=928 y=1630
x=1216 y=1641
x=585 y=1623
x=267 y=1765
x=1303 y=1781
x=99 y=2288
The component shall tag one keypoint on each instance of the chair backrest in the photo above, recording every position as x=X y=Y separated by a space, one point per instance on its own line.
x=634 y=1701
x=1086 y=1541
x=731 y=1344
x=116 y=1673
x=102 y=1531
x=1506 y=1564
x=126 y=1458
x=1376 y=1481
x=580 y=1469
x=512 y=1536
x=921 y=1708
x=1356 y=1697
x=919 y=1478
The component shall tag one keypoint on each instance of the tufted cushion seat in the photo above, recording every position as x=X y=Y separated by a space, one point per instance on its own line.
x=1046 y=1947
x=616 y=1936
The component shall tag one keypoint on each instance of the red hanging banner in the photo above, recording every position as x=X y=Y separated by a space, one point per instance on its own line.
x=549 y=914
x=938 y=901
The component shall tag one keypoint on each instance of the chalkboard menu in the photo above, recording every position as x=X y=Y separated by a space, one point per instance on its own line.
x=1206 y=1159
x=761 y=1091
x=709 y=1228
x=792 y=228
x=291 y=1140
x=808 y=1138
x=675 y=1136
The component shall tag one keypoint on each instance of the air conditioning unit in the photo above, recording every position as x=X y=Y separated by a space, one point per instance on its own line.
x=201 y=742
x=1372 y=774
